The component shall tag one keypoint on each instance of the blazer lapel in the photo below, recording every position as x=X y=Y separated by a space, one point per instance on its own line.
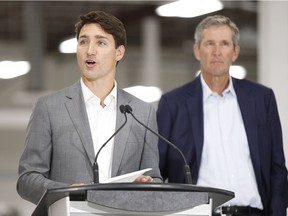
x=77 y=111
x=195 y=110
x=122 y=137
x=248 y=111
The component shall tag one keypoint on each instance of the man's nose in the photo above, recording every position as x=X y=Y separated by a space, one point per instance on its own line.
x=91 y=49
x=217 y=50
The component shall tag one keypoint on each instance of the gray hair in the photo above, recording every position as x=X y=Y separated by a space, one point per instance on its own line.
x=216 y=20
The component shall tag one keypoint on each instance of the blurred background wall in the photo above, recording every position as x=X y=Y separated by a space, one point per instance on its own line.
x=159 y=53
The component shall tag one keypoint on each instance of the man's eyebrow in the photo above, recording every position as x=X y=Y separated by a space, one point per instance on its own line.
x=83 y=36
x=100 y=37
x=96 y=36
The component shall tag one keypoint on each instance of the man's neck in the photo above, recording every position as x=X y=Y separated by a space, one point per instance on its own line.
x=217 y=83
x=100 y=89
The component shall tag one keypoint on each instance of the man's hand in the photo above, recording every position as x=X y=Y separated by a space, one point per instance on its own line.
x=143 y=179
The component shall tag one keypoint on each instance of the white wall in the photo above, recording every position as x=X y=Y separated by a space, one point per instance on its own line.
x=273 y=56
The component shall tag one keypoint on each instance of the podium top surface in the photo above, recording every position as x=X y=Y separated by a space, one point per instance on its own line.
x=79 y=193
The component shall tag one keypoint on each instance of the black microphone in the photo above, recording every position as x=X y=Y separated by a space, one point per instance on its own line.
x=188 y=178
x=95 y=166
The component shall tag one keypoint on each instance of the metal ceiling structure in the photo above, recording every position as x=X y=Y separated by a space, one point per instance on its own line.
x=58 y=19
x=40 y=26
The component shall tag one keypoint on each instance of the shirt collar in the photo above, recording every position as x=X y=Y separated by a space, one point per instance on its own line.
x=207 y=92
x=88 y=94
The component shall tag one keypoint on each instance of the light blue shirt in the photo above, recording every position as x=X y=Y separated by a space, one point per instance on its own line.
x=226 y=162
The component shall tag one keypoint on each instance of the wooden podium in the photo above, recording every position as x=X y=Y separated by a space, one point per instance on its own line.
x=131 y=199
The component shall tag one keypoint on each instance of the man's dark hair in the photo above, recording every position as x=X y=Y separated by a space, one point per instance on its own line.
x=108 y=23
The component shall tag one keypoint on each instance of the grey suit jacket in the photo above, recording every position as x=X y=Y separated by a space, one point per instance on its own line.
x=59 y=149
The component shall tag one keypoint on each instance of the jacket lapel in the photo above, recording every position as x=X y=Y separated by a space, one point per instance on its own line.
x=195 y=110
x=122 y=136
x=76 y=108
x=248 y=111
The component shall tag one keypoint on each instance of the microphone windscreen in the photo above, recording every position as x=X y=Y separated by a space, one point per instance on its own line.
x=122 y=108
x=128 y=109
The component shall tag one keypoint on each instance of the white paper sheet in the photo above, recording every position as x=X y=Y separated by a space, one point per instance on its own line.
x=129 y=177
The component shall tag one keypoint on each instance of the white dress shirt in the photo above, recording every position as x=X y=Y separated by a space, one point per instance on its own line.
x=226 y=162
x=102 y=121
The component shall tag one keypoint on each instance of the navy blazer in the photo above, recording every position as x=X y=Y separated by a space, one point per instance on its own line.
x=180 y=120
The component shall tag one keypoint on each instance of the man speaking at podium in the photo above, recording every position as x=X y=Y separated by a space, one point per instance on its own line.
x=67 y=128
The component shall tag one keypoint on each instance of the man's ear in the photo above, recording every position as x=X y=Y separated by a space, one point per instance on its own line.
x=196 y=51
x=120 y=51
x=236 y=52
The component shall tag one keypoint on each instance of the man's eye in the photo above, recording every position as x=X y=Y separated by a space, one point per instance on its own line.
x=101 y=43
x=82 y=42
x=225 y=43
x=209 y=44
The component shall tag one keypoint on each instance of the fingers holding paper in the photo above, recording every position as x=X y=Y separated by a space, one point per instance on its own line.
x=143 y=179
